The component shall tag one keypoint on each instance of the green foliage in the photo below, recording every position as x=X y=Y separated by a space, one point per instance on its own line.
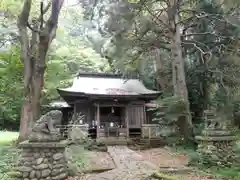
x=232 y=173
x=67 y=56
x=77 y=159
x=11 y=89
x=169 y=109
x=10 y=6
x=131 y=33
x=163 y=176
x=167 y=115
x=8 y=154
x=209 y=166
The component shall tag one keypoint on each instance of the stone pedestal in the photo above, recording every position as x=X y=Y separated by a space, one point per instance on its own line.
x=42 y=160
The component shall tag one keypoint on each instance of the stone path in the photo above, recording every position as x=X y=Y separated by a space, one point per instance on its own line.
x=130 y=165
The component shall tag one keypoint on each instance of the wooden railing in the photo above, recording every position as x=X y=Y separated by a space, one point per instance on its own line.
x=119 y=132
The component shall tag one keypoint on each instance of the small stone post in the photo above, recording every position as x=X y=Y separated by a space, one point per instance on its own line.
x=42 y=160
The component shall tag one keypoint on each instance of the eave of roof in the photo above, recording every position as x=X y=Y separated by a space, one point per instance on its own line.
x=78 y=95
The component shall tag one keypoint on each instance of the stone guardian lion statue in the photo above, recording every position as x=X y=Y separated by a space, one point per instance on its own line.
x=44 y=130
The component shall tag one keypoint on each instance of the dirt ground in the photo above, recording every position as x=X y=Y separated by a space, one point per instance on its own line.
x=163 y=157
x=166 y=158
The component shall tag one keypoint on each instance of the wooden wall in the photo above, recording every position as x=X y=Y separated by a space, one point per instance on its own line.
x=87 y=110
x=135 y=111
x=136 y=115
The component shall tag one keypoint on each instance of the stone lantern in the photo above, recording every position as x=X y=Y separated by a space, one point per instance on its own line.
x=216 y=141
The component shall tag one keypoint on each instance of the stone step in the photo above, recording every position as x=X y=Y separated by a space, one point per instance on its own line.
x=113 y=141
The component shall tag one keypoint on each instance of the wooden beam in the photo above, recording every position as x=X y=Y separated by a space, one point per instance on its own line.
x=83 y=101
x=110 y=104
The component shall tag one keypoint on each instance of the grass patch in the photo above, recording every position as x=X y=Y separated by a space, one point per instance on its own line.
x=8 y=156
x=8 y=153
x=229 y=173
x=162 y=176
x=6 y=137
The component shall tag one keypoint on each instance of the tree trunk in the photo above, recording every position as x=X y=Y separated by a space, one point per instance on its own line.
x=33 y=55
x=159 y=70
x=26 y=117
x=178 y=72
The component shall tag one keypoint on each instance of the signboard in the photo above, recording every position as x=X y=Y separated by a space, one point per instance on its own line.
x=118 y=91
x=114 y=91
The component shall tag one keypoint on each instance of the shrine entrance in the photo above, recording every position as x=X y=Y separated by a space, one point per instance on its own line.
x=112 y=121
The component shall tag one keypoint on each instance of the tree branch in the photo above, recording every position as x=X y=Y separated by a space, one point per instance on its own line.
x=31 y=28
x=56 y=7
x=203 y=53
x=204 y=33
x=52 y=22
x=24 y=40
x=24 y=15
x=42 y=12
x=156 y=17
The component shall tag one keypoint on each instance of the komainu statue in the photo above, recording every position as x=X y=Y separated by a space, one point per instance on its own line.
x=44 y=130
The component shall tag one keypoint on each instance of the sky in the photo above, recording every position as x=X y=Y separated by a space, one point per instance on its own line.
x=70 y=2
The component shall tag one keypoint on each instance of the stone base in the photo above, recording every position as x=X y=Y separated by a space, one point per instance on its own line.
x=43 y=137
x=42 y=161
x=216 y=138
x=216 y=153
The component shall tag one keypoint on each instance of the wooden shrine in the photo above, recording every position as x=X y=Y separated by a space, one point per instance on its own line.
x=112 y=106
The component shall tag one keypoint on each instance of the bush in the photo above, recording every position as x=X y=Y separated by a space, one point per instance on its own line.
x=77 y=159
x=78 y=135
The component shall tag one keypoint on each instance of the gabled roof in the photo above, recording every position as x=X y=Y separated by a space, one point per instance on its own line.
x=107 y=84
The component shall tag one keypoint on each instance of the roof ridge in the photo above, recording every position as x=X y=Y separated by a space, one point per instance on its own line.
x=105 y=75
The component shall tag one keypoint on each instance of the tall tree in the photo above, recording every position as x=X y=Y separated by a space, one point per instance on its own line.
x=35 y=38
x=138 y=27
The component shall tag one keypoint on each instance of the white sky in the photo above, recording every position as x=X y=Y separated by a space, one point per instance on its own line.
x=70 y=2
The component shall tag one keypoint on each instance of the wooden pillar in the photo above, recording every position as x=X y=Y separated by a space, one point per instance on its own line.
x=127 y=120
x=75 y=111
x=98 y=121
x=144 y=115
x=88 y=119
